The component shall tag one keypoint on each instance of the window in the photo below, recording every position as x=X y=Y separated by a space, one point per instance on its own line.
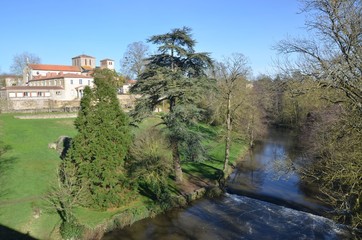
x=88 y=82
x=71 y=81
x=26 y=94
x=85 y=60
x=90 y=62
x=57 y=93
x=40 y=94
x=80 y=81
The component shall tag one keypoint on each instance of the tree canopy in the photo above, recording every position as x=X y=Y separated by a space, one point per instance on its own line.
x=21 y=60
x=333 y=56
x=134 y=59
x=174 y=75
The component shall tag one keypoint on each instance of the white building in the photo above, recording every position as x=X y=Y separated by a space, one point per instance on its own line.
x=72 y=84
x=126 y=87
x=57 y=85
x=107 y=63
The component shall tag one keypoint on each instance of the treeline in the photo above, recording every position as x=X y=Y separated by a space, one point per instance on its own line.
x=329 y=129
x=320 y=95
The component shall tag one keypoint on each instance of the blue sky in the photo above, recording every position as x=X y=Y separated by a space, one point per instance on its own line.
x=57 y=30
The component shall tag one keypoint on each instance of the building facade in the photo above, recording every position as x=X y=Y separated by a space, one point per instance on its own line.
x=51 y=86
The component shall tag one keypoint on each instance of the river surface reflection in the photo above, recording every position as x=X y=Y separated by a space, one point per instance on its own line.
x=269 y=172
x=273 y=212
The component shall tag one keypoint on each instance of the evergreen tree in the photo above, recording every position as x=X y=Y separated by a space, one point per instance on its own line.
x=174 y=75
x=98 y=150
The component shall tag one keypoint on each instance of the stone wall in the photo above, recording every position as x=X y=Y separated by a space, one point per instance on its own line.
x=127 y=101
x=47 y=105
x=39 y=105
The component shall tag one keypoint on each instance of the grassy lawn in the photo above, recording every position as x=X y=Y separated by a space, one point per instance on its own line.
x=215 y=149
x=29 y=169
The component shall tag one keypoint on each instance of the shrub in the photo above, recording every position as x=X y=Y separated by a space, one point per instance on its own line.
x=71 y=230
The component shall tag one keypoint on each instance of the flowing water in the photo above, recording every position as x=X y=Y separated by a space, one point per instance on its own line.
x=265 y=200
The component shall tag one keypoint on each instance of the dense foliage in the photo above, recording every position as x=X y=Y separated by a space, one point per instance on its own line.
x=98 y=151
x=174 y=75
x=150 y=164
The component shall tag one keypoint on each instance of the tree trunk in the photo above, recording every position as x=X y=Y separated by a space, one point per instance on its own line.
x=175 y=151
x=228 y=134
x=176 y=161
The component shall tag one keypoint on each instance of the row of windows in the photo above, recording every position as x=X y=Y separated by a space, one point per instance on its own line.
x=80 y=81
x=47 y=83
x=31 y=94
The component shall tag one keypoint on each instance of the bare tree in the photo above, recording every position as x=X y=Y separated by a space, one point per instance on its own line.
x=21 y=60
x=334 y=55
x=133 y=61
x=231 y=76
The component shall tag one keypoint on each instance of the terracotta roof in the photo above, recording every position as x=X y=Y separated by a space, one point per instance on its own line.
x=48 y=67
x=83 y=55
x=87 y=68
x=57 y=76
x=107 y=59
x=32 y=88
x=131 y=81
x=10 y=76
x=76 y=76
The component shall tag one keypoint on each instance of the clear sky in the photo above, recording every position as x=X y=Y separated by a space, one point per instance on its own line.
x=57 y=30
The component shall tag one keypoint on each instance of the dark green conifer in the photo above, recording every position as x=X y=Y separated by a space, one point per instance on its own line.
x=176 y=76
x=98 y=150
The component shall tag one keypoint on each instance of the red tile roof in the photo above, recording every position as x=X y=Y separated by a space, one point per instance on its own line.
x=47 y=67
x=84 y=56
x=131 y=81
x=89 y=68
x=60 y=75
x=107 y=59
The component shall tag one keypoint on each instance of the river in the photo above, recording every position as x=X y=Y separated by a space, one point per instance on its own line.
x=265 y=199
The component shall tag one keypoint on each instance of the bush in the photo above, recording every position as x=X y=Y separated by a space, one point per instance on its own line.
x=214 y=192
x=71 y=230
x=150 y=164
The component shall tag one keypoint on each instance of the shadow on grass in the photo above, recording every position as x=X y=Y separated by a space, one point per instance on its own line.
x=6 y=165
x=10 y=234
x=202 y=170
x=207 y=132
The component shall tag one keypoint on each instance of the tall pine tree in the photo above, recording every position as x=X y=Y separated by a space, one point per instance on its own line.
x=98 y=150
x=174 y=75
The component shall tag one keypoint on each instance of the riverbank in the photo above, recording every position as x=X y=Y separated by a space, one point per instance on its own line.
x=232 y=216
x=199 y=179
x=29 y=170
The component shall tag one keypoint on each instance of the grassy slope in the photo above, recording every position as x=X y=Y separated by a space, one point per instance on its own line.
x=33 y=167
x=30 y=169
x=215 y=148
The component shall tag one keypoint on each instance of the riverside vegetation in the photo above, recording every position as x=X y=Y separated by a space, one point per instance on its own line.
x=123 y=167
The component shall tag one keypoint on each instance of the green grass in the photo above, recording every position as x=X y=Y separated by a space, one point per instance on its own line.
x=29 y=170
x=215 y=148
